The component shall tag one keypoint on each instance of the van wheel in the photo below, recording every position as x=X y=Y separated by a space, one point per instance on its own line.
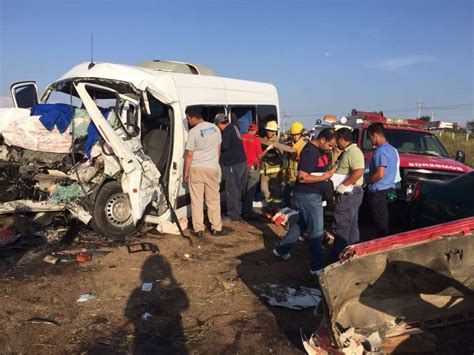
x=112 y=212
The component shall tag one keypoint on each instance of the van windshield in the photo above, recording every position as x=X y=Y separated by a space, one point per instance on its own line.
x=407 y=141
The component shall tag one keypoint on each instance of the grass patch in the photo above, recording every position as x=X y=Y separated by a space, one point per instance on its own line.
x=457 y=141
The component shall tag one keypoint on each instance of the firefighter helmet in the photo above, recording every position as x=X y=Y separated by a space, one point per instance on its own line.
x=296 y=128
x=272 y=126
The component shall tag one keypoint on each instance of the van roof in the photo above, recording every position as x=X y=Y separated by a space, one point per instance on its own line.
x=142 y=78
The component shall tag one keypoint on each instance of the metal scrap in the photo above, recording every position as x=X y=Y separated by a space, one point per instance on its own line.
x=139 y=247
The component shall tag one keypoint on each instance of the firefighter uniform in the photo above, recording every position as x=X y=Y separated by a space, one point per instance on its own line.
x=290 y=172
x=270 y=169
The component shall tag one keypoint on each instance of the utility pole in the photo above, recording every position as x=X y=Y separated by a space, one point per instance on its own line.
x=419 y=108
x=284 y=121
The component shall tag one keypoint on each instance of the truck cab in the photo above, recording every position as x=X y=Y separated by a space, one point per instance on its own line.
x=422 y=155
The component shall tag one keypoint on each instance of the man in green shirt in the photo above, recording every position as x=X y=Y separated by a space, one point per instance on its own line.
x=349 y=194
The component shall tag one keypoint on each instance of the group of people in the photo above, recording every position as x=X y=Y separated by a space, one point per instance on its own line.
x=315 y=170
x=301 y=170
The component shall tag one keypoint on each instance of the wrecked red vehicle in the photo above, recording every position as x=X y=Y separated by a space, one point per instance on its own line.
x=395 y=293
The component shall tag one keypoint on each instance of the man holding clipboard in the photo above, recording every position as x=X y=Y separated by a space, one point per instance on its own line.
x=349 y=193
x=308 y=194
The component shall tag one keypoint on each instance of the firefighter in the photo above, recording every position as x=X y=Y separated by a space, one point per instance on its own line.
x=290 y=172
x=270 y=171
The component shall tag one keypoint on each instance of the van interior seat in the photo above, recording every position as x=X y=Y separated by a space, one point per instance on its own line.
x=156 y=145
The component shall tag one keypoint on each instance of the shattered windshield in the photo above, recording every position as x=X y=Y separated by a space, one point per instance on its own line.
x=413 y=142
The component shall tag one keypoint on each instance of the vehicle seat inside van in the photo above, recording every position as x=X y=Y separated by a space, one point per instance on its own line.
x=155 y=144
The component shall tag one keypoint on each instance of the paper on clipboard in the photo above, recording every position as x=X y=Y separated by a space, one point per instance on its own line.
x=336 y=179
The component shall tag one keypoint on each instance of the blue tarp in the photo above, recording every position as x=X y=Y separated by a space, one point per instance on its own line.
x=245 y=121
x=59 y=115
x=93 y=133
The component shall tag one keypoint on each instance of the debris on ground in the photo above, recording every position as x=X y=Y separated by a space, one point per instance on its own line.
x=168 y=227
x=146 y=316
x=147 y=286
x=292 y=298
x=8 y=236
x=139 y=247
x=83 y=257
x=85 y=297
x=50 y=259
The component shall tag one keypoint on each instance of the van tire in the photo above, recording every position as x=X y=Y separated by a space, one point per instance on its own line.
x=112 y=212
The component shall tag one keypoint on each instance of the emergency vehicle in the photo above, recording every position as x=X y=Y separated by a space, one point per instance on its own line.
x=422 y=155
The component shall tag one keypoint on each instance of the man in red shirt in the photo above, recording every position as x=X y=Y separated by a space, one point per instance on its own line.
x=254 y=153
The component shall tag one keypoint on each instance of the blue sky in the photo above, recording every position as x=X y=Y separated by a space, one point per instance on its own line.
x=325 y=57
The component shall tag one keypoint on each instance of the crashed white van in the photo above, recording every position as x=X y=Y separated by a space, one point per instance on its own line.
x=106 y=141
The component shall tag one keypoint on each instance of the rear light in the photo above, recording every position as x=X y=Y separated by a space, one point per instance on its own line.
x=416 y=192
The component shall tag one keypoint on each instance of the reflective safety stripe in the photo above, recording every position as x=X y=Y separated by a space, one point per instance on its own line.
x=268 y=171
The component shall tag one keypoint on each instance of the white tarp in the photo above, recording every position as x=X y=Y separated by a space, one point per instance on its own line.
x=283 y=296
x=19 y=129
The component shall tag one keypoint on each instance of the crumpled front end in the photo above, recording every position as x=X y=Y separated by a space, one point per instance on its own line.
x=389 y=291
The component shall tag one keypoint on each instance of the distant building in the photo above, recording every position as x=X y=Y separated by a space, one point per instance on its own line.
x=443 y=125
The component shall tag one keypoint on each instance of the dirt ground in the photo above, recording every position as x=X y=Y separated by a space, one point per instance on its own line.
x=202 y=303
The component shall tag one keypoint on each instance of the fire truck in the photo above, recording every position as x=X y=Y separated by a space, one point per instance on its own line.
x=422 y=156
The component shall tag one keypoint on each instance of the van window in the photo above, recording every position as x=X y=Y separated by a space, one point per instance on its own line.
x=243 y=116
x=265 y=113
x=210 y=112
x=58 y=97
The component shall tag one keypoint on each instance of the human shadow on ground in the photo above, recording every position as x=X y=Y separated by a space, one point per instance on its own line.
x=162 y=332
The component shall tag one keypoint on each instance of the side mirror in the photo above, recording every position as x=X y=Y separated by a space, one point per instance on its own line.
x=24 y=94
x=460 y=156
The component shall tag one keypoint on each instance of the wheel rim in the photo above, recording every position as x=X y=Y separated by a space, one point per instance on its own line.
x=118 y=211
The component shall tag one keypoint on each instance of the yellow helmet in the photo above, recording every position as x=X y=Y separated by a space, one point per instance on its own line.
x=296 y=128
x=272 y=126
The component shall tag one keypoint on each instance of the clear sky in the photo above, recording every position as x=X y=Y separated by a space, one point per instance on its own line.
x=325 y=57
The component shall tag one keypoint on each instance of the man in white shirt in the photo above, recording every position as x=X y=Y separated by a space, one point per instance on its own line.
x=202 y=171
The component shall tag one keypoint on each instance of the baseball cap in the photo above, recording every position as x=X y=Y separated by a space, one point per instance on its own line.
x=253 y=127
x=220 y=118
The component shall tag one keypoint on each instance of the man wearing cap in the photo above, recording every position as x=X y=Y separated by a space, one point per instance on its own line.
x=234 y=166
x=349 y=193
x=253 y=153
x=202 y=171
x=290 y=173
x=270 y=169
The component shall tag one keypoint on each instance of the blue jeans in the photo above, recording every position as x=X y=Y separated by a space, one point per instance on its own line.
x=310 y=210
x=234 y=177
x=346 y=221
x=287 y=196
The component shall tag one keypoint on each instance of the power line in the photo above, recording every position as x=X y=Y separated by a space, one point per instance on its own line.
x=441 y=107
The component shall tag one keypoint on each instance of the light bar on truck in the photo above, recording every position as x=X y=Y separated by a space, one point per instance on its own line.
x=395 y=121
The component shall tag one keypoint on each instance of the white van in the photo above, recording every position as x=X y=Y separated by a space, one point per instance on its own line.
x=115 y=146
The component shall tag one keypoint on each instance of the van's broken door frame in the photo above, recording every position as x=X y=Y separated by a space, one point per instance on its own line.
x=139 y=179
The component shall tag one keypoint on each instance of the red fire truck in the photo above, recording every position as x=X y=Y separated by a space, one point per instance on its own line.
x=422 y=156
